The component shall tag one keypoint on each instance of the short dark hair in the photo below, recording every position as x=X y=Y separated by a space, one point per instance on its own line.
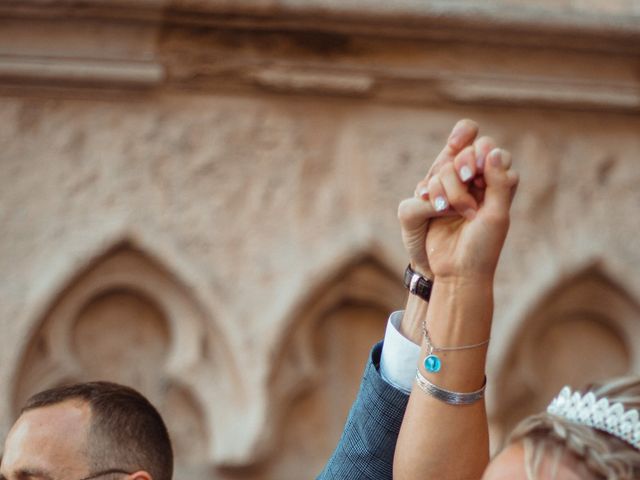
x=126 y=430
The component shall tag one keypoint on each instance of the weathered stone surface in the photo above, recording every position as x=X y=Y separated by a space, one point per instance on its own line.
x=229 y=208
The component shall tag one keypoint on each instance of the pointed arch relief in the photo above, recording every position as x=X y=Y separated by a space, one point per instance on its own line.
x=586 y=329
x=319 y=362
x=127 y=318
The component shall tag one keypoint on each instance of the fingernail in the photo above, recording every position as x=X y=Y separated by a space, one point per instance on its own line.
x=423 y=193
x=495 y=157
x=480 y=161
x=465 y=173
x=470 y=214
x=506 y=159
x=440 y=204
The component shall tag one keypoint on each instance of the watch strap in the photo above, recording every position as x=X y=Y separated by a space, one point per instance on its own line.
x=418 y=284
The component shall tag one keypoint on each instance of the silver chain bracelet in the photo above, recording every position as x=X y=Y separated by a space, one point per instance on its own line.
x=447 y=396
x=433 y=362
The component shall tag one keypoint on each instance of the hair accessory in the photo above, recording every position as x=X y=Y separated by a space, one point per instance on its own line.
x=418 y=284
x=447 y=396
x=432 y=362
x=599 y=414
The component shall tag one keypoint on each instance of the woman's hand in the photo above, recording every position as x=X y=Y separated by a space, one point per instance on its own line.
x=468 y=247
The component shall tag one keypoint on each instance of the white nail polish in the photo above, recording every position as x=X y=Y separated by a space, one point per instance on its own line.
x=423 y=192
x=465 y=173
x=440 y=204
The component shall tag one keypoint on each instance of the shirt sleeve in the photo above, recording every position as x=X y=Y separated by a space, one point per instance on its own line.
x=399 y=356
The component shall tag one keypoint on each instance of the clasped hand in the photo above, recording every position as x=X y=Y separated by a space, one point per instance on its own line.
x=455 y=225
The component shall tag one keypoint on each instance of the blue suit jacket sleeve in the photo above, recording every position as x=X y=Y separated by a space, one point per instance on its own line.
x=367 y=444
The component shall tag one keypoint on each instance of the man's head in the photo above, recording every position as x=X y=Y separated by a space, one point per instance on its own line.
x=90 y=430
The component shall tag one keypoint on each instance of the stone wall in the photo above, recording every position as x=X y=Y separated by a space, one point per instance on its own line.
x=198 y=198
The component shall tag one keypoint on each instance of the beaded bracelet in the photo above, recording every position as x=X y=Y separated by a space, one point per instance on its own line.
x=432 y=362
x=447 y=396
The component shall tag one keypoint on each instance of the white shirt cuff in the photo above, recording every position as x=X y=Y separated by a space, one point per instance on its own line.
x=399 y=357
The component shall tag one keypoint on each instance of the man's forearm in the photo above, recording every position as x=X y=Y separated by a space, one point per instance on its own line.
x=366 y=448
x=414 y=314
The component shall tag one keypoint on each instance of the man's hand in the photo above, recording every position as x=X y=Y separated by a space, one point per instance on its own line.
x=414 y=213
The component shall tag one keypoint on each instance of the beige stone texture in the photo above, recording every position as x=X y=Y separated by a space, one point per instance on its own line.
x=197 y=198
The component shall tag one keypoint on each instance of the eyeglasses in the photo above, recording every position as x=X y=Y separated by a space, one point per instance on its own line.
x=106 y=472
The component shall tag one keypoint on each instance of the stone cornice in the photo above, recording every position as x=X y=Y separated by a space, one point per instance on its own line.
x=494 y=20
x=405 y=51
x=406 y=18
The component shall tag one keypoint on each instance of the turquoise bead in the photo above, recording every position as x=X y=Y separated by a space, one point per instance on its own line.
x=432 y=364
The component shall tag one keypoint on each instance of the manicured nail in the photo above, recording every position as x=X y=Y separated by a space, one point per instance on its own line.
x=470 y=214
x=495 y=157
x=423 y=193
x=480 y=161
x=465 y=173
x=440 y=204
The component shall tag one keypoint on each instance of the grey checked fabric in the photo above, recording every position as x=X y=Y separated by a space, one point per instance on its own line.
x=367 y=444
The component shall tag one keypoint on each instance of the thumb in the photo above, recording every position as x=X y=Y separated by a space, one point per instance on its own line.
x=415 y=213
x=501 y=183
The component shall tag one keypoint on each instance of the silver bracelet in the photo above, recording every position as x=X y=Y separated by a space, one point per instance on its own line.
x=432 y=362
x=447 y=396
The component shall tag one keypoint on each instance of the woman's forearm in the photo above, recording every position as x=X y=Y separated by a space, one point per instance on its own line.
x=457 y=446
x=460 y=245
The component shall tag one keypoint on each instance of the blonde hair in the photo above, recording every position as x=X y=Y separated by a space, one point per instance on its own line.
x=607 y=457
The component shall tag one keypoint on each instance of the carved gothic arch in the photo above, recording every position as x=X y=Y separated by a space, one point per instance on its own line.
x=362 y=291
x=366 y=277
x=576 y=333
x=198 y=367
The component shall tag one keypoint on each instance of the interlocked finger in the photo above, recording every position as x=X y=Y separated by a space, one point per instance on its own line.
x=465 y=164
x=437 y=195
x=457 y=193
x=483 y=146
x=463 y=134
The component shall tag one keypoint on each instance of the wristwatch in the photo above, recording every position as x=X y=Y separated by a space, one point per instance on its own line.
x=417 y=284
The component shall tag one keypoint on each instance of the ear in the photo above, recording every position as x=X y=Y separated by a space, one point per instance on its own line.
x=141 y=475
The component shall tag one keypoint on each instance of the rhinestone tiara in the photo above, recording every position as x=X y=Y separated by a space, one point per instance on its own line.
x=599 y=414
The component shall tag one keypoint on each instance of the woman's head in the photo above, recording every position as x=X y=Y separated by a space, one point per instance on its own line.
x=547 y=446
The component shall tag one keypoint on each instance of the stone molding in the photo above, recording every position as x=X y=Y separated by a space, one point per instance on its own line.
x=617 y=18
x=461 y=53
